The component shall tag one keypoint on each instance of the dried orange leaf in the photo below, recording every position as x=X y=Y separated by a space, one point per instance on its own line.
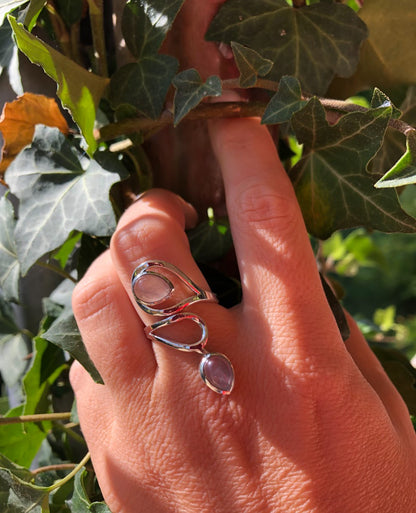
x=18 y=121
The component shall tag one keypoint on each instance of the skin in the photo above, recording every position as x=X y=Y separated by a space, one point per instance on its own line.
x=312 y=425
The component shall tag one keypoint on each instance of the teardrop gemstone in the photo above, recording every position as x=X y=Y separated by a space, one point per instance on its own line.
x=152 y=288
x=217 y=372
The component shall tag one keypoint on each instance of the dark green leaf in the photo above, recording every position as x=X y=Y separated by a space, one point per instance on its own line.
x=191 y=90
x=79 y=90
x=313 y=43
x=90 y=249
x=33 y=11
x=380 y=99
x=65 y=334
x=80 y=502
x=337 y=310
x=331 y=182
x=404 y=171
x=143 y=84
x=285 y=102
x=17 y=494
x=145 y=24
x=69 y=10
x=210 y=240
x=250 y=64
x=58 y=193
x=9 y=265
x=6 y=45
x=13 y=348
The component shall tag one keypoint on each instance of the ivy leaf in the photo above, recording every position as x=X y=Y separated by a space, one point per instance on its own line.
x=17 y=494
x=79 y=90
x=313 y=43
x=33 y=11
x=13 y=349
x=191 y=90
x=58 y=193
x=20 y=442
x=210 y=240
x=70 y=10
x=285 y=102
x=9 y=265
x=380 y=99
x=7 y=6
x=145 y=24
x=80 y=502
x=404 y=171
x=18 y=121
x=250 y=64
x=143 y=84
x=6 y=45
x=331 y=182
x=65 y=334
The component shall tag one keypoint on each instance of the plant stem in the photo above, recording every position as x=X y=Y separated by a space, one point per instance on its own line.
x=49 y=468
x=67 y=429
x=59 y=28
x=96 y=8
x=40 y=417
x=56 y=270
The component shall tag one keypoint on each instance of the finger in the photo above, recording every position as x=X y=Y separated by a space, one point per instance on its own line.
x=374 y=373
x=280 y=279
x=153 y=228
x=110 y=327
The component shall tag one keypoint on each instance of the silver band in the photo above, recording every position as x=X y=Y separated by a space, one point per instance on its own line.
x=153 y=285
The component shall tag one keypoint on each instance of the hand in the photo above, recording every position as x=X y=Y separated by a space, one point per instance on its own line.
x=312 y=425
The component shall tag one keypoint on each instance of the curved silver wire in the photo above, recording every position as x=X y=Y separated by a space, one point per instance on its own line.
x=150 y=267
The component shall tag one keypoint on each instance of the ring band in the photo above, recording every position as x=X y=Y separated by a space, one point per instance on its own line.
x=152 y=287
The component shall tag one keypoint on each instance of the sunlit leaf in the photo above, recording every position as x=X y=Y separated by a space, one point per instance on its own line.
x=33 y=11
x=191 y=90
x=145 y=24
x=250 y=64
x=404 y=171
x=59 y=192
x=380 y=99
x=143 y=84
x=331 y=182
x=313 y=43
x=79 y=90
x=9 y=5
x=9 y=264
x=18 y=121
x=285 y=102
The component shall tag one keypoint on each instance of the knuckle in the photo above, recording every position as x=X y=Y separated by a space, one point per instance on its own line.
x=260 y=205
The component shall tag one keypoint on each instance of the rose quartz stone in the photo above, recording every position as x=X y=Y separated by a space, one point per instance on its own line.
x=152 y=289
x=218 y=373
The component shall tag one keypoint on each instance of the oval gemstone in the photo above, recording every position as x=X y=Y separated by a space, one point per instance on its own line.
x=217 y=372
x=152 y=289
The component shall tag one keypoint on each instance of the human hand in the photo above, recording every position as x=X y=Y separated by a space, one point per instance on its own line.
x=312 y=425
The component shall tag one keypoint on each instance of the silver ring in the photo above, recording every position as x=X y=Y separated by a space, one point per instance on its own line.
x=152 y=286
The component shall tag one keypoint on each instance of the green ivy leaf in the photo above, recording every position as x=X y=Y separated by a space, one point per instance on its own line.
x=9 y=265
x=380 y=99
x=313 y=43
x=191 y=90
x=58 y=193
x=143 y=84
x=285 y=102
x=17 y=494
x=6 y=45
x=145 y=24
x=13 y=349
x=331 y=182
x=404 y=171
x=65 y=334
x=21 y=442
x=80 y=502
x=210 y=240
x=70 y=10
x=250 y=64
x=79 y=90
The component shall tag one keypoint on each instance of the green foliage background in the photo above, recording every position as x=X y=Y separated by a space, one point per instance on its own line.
x=352 y=161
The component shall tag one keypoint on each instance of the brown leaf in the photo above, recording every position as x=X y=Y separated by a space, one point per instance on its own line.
x=18 y=120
